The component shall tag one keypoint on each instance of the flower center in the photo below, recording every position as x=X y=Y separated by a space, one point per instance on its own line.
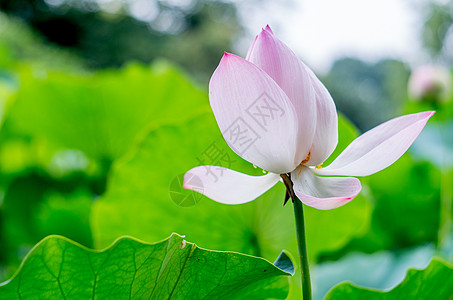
x=306 y=159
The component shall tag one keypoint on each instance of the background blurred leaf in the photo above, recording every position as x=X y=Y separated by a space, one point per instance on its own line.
x=382 y=270
x=128 y=269
x=109 y=34
x=62 y=133
x=368 y=94
x=439 y=19
x=413 y=188
x=34 y=207
x=436 y=145
x=20 y=45
x=91 y=113
x=434 y=282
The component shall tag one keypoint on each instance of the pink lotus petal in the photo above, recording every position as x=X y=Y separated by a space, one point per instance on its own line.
x=326 y=134
x=282 y=65
x=268 y=29
x=379 y=147
x=255 y=116
x=228 y=186
x=324 y=192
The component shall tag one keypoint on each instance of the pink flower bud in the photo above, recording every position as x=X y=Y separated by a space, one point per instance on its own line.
x=430 y=83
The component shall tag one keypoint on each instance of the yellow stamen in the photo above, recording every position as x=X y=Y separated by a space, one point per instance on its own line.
x=304 y=161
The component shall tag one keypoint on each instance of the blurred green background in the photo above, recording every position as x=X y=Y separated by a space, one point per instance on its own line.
x=103 y=104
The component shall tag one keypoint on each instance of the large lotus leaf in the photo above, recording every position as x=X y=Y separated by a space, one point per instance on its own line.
x=102 y=113
x=129 y=269
x=407 y=201
x=434 y=282
x=34 y=207
x=382 y=270
x=142 y=200
x=435 y=144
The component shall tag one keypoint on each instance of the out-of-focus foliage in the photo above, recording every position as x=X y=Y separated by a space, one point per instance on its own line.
x=35 y=207
x=99 y=114
x=19 y=45
x=368 y=94
x=438 y=145
x=412 y=187
x=130 y=269
x=389 y=268
x=437 y=34
x=434 y=282
x=60 y=136
x=192 y=34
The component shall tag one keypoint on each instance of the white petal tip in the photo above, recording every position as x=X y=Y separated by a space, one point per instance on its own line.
x=429 y=114
x=190 y=182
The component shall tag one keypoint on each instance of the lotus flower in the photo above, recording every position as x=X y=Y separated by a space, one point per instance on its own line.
x=276 y=114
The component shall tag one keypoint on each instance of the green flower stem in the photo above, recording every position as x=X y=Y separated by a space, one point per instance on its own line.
x=302 y=244
x=301 y=241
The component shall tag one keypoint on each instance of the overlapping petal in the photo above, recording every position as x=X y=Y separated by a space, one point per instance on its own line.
x=276 y=59
x=324 y=192
x=256 y=118
x=379 y=147
x=326 y=135
x=227 y=186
